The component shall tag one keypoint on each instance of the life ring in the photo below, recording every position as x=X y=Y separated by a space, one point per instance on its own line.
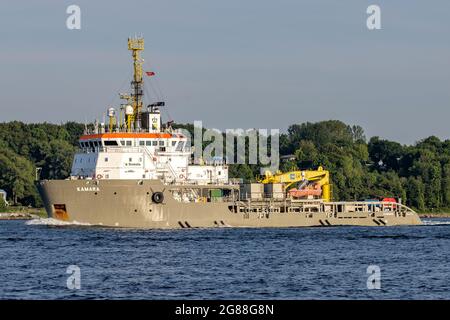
x=99 y=176
x=158 y=197
x=181 y=176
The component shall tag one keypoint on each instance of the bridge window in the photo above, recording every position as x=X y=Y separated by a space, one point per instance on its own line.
x=180 y=146
x=155 y=143
x=174 y=143
x=142 y=143
x=110 y=143
x=129 y=143
x=148 y=143
x=161 y=142
x=122 y=142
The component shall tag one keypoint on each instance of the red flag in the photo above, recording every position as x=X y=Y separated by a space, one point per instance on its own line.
x=150 y=73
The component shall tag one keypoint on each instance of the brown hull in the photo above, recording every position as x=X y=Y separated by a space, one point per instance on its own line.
x=128 y=203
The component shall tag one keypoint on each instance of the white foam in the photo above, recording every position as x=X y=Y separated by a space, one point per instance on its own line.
x=54 y=222
x=435 y=222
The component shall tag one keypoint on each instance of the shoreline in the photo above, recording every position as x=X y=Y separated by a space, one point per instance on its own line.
x=434 y=215
x=17 y=216
x=22 y=213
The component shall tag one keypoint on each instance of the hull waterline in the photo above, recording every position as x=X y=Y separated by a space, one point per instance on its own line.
x=128 y=203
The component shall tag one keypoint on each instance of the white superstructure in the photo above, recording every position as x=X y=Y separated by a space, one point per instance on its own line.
x=144 y=155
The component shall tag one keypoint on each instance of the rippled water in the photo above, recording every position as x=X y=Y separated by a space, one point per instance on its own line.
x=287 y=263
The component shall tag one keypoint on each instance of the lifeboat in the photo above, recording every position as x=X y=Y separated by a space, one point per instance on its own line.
x=313 y=190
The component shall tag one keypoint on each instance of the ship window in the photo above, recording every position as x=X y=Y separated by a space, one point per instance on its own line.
x=140 y=159
x=161 y=142
x=130 y=159
x=180 y=146
x=174 y=143
x=155 y=143
x=106 y=159
x=142 y=143
x=110 y=143
x=148 y=143
x=128 y=142
x=91 y=144
x=163 y=149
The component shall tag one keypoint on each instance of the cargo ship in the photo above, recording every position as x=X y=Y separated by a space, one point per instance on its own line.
x=135 y=172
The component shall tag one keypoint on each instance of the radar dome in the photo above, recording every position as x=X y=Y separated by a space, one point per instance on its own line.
x=128 y=110
x=111 y=112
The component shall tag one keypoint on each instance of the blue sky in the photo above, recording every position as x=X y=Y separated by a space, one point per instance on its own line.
x=235 y=64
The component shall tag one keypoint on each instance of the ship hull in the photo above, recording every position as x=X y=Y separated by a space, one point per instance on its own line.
x=129 y=204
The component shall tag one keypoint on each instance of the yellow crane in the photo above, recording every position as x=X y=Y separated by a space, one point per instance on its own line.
x=320 y=177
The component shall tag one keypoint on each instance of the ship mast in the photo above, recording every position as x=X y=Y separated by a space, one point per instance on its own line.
x=135 y=45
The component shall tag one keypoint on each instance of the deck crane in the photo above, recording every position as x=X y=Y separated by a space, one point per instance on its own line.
x=307 y=182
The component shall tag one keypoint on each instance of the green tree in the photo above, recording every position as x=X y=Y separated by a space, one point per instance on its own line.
x=3 y=206
x=17 y=176
x=415 y=193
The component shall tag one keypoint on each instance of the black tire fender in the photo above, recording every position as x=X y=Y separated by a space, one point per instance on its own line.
x=158 y=197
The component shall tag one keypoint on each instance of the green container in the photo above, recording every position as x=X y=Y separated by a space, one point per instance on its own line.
x=216 y=193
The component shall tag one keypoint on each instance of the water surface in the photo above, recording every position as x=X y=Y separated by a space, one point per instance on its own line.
x=224 y=263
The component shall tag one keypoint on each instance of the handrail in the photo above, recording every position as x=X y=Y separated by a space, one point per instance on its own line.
x=172 y=171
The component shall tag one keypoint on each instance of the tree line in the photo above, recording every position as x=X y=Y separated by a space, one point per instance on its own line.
x=360 y=169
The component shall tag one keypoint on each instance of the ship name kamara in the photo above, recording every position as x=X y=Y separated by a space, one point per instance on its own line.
x=88 y=189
